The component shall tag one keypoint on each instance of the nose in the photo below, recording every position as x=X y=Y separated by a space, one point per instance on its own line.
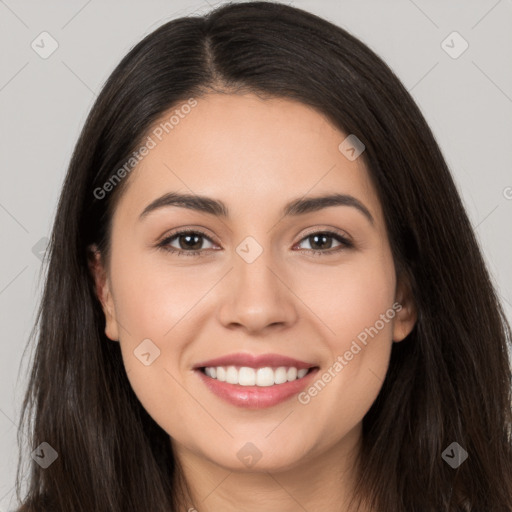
x=257 y=297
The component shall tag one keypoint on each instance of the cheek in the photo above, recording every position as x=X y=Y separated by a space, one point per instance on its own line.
x=364 y=329
x=350 y=297
x=355 y=306
x=152 y=297
x=157 y=302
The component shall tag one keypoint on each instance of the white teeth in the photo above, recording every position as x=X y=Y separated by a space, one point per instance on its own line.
x=221 y=374
x=245 y=376
x=264 y=377
x=212 y=372
x=280 y=375
x=232 y=375
x=301 y=373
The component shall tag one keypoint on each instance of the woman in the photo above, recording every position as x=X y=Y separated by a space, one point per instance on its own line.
x=263 y=290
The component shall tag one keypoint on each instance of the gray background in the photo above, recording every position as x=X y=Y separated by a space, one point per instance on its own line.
x=44 y=102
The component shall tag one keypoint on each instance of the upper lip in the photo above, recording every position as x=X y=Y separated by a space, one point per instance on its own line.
x=253 y=361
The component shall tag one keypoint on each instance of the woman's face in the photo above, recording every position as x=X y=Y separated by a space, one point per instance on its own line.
x=248 y=282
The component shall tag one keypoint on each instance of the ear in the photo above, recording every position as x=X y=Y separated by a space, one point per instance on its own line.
x=102 y=288
x=407 y=315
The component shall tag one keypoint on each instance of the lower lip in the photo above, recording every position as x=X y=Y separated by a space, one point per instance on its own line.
x=256 y=397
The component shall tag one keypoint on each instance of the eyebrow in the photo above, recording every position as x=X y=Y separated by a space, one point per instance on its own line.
x=216 y=207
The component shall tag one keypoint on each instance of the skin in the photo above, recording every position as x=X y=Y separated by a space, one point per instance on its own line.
x=255 y=155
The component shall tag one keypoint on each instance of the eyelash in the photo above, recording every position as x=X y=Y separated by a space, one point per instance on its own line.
x=164 y=244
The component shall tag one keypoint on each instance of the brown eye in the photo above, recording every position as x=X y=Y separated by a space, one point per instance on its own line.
x=189 y=242
x=322 y=242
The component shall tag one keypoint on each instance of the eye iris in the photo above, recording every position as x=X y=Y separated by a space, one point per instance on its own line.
x=322 y=237
x=192 y=241
x=188 y=237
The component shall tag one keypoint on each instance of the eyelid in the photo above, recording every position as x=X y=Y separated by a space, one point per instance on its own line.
x=309 y=231
x=325 y=229
x=179 y=231
x=344 y=239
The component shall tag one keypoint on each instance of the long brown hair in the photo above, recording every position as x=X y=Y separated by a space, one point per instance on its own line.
x=449 y=381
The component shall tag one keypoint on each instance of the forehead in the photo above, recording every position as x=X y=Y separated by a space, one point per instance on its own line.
x=246 y=151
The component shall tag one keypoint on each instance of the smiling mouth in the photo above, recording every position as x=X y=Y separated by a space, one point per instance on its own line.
x=262 y=377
